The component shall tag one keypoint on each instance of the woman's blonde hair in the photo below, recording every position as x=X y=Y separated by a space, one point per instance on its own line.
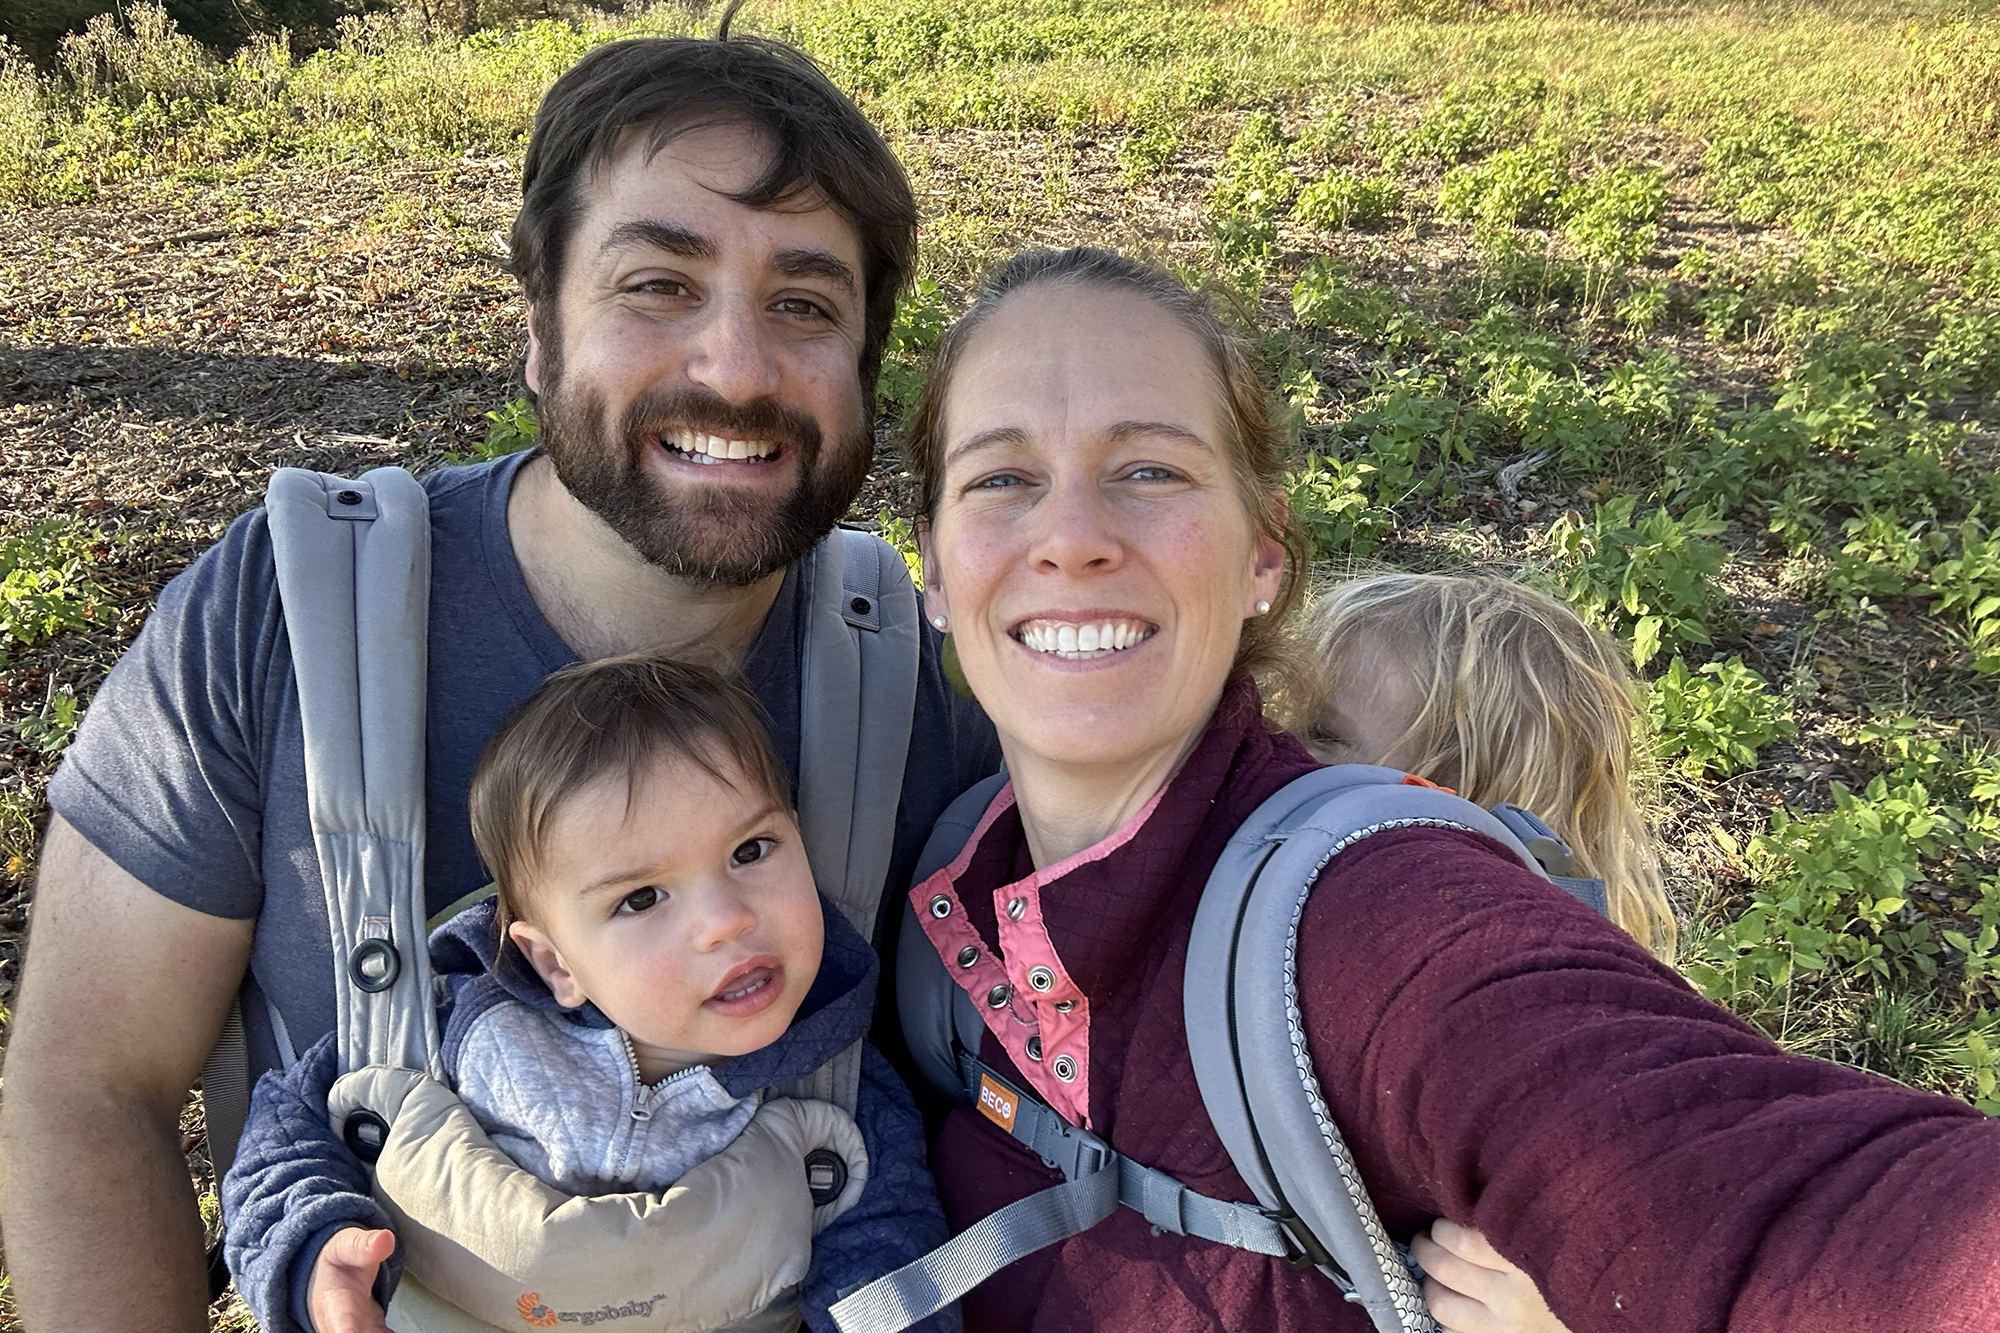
x=1517 y=700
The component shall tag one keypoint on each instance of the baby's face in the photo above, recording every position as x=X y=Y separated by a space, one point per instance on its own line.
x=687 y=914
x=1372 y=707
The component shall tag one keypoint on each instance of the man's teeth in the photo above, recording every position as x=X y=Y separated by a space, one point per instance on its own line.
x=697 y=447
x=1079 y=641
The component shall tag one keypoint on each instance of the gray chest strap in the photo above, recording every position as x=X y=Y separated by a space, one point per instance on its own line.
x=353 y=564
x=1096 y=1180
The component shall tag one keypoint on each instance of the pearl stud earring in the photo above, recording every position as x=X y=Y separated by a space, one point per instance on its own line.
x=1263 y=608
x=940 y=623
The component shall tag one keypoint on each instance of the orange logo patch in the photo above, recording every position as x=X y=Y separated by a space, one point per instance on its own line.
x=532 y=1310
x=997 y=1102
x=1412 y=780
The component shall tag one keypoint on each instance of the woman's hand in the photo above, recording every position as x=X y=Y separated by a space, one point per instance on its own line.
x=340 y=1296
x=1471 y=1289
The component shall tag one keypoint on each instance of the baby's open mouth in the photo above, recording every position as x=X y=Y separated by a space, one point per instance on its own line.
x=1076 y=641
x=737 y=988
x=695 y=446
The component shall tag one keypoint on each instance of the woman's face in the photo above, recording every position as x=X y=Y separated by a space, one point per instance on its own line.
x=1090 y=545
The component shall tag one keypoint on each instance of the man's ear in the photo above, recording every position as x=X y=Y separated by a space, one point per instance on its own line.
x=935 y=603
x=532 y=372
x=543 y=956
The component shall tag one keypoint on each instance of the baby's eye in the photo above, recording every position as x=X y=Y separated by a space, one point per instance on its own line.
x=752 y=851
x=640 y=900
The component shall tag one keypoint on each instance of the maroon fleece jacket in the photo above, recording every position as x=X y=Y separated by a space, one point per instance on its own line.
x=1497 y=1054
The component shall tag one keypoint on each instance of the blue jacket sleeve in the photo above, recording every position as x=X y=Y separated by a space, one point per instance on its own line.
x=293 y=1185
x=898 y=1217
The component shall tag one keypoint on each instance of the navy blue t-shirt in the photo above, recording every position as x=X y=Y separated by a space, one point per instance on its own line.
x=189 y=770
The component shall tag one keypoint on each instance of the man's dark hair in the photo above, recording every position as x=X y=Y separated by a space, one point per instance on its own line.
x=666 y=86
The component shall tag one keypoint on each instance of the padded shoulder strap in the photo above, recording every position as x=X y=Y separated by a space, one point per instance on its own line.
x=857 y=700
x=353 y=560
x=1253 y=1068
x=938 y=1019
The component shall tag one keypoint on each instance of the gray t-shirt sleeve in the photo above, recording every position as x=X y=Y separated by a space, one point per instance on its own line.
x=164 y=775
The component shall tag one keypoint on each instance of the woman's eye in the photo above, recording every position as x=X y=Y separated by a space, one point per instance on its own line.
x=1151 y=472
x=641 y=899
x=752 y=851
x=998 y=481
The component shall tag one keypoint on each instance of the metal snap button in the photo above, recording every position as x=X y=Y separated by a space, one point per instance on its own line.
x=997 y=997
x=1064 y=1006
x=1035 y=1047
x=860 y=605
x=940 y=907
x=1065 y=1068
x=1017 y=908
x=1041 y=978
x=826 y=1175
x=348 y=497
x=366 y=1133
x=968 y=956
x=374 y=965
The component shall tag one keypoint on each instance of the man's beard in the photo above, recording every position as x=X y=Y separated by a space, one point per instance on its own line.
x=710 y=535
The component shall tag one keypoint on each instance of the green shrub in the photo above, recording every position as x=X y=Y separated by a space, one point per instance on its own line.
x=1342 y=199
x=1330 y=499
x=1713 y=721
x=46 y=584
x=1613 y=216
x=1322 y=298
x=1883 y=557
x=1968 y=588
x=1145 y=152
x=1514 y=187
x=1471 y=117
x=1255 y=180
x=921 y=321
x=1651 y=582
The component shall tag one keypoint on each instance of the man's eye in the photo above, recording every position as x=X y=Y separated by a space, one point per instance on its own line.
x=661 y=287
x=641 y=899
x=798 y=305
x=752 y=851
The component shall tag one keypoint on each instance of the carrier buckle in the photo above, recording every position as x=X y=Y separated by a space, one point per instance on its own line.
x=1311 y=1254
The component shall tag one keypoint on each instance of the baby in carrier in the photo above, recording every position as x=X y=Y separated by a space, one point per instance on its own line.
x=1500 y=693
x=654 y=959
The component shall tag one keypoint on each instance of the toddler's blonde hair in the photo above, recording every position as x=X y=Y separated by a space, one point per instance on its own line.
x=1518 y=700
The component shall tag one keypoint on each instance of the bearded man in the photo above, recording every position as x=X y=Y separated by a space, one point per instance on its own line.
x=711 y=242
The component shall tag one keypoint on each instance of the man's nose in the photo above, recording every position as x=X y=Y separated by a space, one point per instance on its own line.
x=733 y=353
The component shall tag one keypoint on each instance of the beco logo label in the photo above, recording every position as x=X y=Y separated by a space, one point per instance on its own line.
x=996 y=1102
x=541 y=1316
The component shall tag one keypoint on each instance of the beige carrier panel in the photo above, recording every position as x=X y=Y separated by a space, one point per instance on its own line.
x=511 y=1252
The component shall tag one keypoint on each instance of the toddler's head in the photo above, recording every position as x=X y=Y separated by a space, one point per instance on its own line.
x=641 y=834
x=1501 y=693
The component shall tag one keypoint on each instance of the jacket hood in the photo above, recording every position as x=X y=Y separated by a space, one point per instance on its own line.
x=833 y=1016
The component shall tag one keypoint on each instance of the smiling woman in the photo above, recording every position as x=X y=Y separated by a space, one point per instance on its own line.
x=1104 y=536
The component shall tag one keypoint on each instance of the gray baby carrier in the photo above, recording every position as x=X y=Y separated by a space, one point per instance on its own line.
x=1251 y=1065
x=487 y=1243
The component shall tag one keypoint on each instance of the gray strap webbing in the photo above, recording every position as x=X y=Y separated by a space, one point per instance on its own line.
x=225 y=1092
x=353 y=561
x=857 y=700
x=1096 y=1181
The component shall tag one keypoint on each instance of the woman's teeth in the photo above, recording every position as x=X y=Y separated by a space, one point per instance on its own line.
x=1074 y=642
x=699 y=448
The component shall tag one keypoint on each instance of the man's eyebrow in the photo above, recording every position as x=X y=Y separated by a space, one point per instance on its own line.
x=809 y=263
x=648 y=234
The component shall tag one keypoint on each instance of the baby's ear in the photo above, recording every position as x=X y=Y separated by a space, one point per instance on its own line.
x=543 y=956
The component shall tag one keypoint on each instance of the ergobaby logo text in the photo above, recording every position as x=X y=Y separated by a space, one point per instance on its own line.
x=996 y=1101
x=541 y=1316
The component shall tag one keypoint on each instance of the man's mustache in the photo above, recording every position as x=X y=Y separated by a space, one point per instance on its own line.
x=700 y=410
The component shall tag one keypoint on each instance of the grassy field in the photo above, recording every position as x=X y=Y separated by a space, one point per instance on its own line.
x=1689 y=311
